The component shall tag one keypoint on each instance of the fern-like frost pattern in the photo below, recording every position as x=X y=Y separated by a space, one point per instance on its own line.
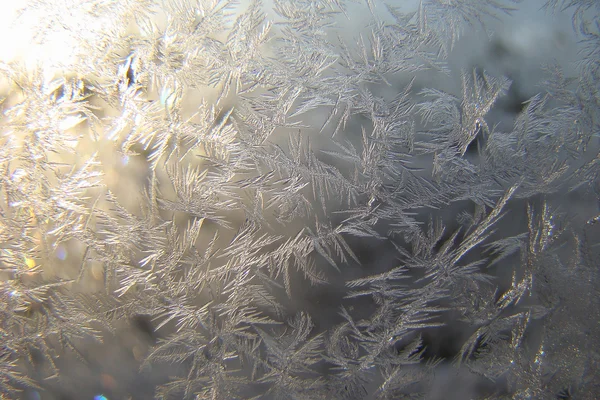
x=296 y=200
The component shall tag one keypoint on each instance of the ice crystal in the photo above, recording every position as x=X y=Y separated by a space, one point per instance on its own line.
x=299 y=200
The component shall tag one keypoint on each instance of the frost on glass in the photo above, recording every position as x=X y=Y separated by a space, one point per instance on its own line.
x=297 y=200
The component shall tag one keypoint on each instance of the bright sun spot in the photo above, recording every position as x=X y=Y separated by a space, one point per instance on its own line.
x=44 y=35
